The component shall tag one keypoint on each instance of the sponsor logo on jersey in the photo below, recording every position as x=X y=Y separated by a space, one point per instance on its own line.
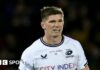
x=55 y=51
x=58 y=67
x=44 y=56
x=69 y=53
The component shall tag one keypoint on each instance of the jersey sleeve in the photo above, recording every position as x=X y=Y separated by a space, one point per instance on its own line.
x=82 y=58
x=26 y=62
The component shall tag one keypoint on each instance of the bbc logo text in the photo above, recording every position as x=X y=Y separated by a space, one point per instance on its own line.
x=9 y=62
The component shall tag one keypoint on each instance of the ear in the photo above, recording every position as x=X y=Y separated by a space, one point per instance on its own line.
x=42 y=25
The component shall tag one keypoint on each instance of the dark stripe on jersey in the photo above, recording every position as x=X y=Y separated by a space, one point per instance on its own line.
x=52 y=45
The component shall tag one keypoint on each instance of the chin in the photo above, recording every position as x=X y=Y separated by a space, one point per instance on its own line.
x=56 y=35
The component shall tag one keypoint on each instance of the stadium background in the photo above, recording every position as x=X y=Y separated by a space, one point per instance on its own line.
x=20 y=27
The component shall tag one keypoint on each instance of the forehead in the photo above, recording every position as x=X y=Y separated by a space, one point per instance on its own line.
x=54 y=17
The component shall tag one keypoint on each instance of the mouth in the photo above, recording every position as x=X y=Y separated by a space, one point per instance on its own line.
x=56 y=30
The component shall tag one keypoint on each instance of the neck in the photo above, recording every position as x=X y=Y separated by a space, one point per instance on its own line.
x=52 y=39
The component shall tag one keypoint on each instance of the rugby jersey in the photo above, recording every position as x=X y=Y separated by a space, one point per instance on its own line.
x=67 y=55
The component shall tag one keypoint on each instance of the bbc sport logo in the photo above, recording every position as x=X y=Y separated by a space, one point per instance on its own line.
x=4 y=62
x=9 y=62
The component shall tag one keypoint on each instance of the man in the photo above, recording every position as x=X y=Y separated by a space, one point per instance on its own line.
x=53 y=51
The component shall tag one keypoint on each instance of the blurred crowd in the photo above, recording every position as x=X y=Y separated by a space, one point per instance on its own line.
x=20 y=26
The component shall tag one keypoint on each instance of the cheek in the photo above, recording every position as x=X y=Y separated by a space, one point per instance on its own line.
x=62 y=25
x=45 y=27
x=48 y=26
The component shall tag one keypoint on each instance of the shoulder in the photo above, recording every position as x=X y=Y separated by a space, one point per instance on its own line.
x=74 y=43
x=71 y=40
x=29 y=51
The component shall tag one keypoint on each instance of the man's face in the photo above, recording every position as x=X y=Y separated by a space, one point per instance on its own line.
x=53 y=25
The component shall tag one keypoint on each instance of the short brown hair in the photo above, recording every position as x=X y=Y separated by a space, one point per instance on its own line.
x=46 y=11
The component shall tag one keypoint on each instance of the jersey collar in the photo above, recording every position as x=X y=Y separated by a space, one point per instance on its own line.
x=52 y=45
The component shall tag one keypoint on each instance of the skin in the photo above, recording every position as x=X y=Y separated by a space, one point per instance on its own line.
x=86 y=68
x=53 y=27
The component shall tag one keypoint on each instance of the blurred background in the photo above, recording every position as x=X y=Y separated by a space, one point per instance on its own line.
x=20 y=27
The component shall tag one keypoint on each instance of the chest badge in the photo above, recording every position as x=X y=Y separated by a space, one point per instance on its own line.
x=68 y=52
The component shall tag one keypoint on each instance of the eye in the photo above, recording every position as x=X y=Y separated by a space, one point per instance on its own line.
x=60 y=20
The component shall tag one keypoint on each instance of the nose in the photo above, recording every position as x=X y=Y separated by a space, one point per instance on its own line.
x=57 y=24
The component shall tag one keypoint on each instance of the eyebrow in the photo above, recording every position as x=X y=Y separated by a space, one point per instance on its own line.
x=51 y=21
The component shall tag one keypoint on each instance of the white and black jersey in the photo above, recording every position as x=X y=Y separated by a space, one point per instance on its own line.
x=67 y=55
